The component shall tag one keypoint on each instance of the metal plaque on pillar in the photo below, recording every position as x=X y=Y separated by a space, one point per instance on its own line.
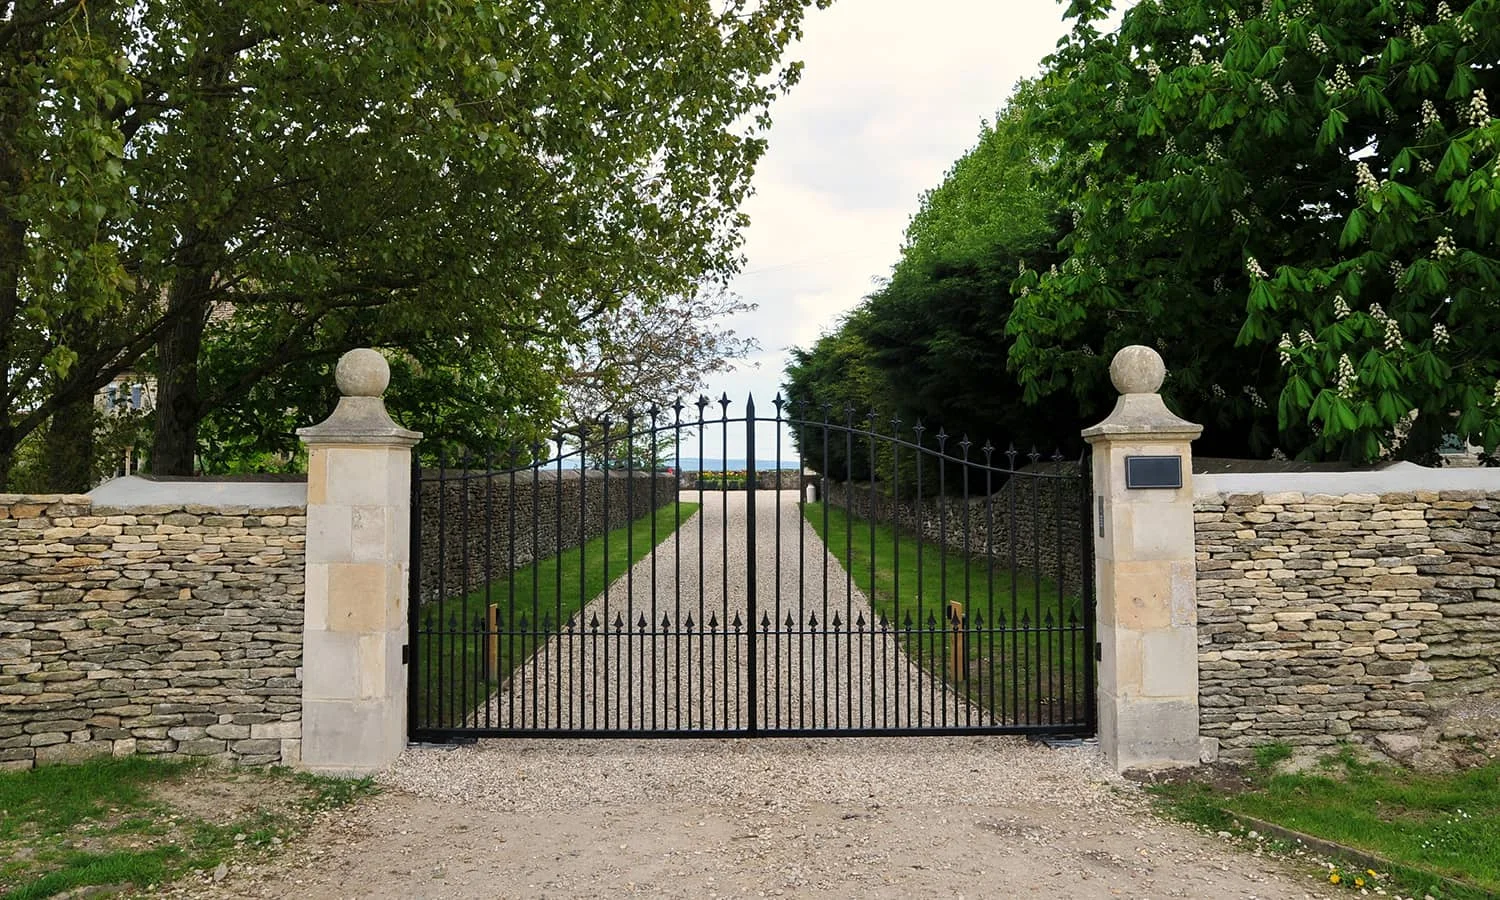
x=1153 y=472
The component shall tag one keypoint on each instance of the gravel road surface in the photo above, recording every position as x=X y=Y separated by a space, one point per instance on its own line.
x=846 y=817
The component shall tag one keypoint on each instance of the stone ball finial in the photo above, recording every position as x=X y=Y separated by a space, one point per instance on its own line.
x=1137 y=370
x=362 y=373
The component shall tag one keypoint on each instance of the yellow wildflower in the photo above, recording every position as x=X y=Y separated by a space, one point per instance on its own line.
x=1333 y=878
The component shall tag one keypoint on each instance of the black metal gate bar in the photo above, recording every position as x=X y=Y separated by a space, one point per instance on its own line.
x=612 y=660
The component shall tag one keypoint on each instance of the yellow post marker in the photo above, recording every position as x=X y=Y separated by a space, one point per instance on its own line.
x=492 y=638
x=958 y=651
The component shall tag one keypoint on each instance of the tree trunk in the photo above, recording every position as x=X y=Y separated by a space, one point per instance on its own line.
x=174 y=444
x=16 y=99
x=70 y=447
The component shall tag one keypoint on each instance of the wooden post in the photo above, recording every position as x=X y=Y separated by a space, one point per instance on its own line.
x=492 y=639
x=958 y=652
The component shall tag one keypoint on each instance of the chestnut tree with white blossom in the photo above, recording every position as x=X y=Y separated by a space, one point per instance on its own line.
x=1297 y=201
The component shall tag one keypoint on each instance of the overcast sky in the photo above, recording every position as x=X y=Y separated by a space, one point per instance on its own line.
x=893 y=92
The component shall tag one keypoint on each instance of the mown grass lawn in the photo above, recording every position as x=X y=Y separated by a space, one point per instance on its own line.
x=1025 y=649
x=120 y=822
x=1425 y=824
x=454 y=676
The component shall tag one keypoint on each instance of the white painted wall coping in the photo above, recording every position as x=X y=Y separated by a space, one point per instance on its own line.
x=132 y=490
x=1392 y=478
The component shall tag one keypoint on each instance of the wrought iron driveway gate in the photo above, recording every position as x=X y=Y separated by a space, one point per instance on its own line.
x=596 y=586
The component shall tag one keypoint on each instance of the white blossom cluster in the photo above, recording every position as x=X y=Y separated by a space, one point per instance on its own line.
x=1440 y=336
x=1377 y=313
x=1477 y=113
x=1252 y=266
x=1425 y=165
x=1430 y=117
x=1217 y=68
x=1392 y=335
x=1268 y=90
x=1239 y=218
x=1217 y=391
x=1497 y=393
x=1214 y=149
x=1340 y=307
x=1218 y=284
x=1444 y=11
x=1316 y=44
x=1153 y=69
x=1465 y=29
x=1283 y=350
x=1087 y=350
x=1171 y=146
x=1195 y=58
x=1278 y=453
x=1304 y=338
x=1234 y=19
x=1417 y=35
x=1255 y=398
x=1346 y=377
x=1398 y=270
x=1340 y=82
x=1444 y=248
x=1364 y=178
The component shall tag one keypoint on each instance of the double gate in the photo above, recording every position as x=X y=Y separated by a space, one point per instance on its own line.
x=634 y=578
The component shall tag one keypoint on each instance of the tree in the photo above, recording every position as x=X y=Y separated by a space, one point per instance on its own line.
x=930 y=346
x=472 y=176
x=1297 y=201
x=651 y=351
x=833 y=382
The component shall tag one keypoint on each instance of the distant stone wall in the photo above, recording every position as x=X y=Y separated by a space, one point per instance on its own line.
x=1034 y=515
x=1365 y=615
x=467 y=518
x=170 y=630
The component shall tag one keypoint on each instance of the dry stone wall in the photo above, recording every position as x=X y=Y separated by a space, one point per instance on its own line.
x=468 y=518
x=1372 y=617
x=157 y=629
x=1035 y=515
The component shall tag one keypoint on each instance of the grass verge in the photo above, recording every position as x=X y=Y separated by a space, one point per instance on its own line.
x=454 y=677
x=1440 y=832
x=1023 y=642
x=137 y=822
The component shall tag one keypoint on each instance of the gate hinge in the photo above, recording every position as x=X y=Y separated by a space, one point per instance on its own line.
x=1098 y=652
x=405 y=654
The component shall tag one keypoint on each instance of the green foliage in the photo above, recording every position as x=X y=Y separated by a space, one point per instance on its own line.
x=1439 y=830
x=930 y=346
x=1297 y=202
x=235 y=193
x=1269 y=756
x=116 y=822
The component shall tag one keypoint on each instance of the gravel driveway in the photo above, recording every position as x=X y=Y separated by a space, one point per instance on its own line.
x=822 y=662
x=849 y=817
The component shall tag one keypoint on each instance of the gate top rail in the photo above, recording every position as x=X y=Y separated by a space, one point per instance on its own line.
x=1010 y=461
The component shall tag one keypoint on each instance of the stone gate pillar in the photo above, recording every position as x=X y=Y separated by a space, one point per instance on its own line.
x=358 y=554
x=1145 y=572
